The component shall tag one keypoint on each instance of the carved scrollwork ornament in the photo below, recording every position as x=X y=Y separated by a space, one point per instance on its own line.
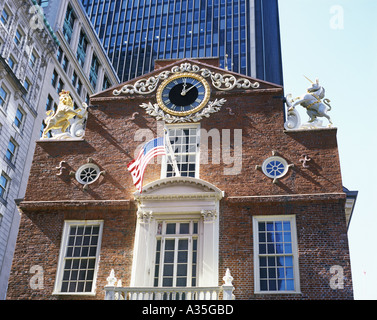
x=223 y=82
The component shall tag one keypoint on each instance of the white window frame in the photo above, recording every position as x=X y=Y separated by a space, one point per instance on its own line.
x=268 y=171
x=296 y=275
x=5 y=101
x=33 y=61
x=18 y=40
x=11 y=62
x=163 y=236
x=8 y=12
x=197 y=155
x=13 y=154
x=63 y=249
x=27 y=84
x=21 y=121
x=5 y=188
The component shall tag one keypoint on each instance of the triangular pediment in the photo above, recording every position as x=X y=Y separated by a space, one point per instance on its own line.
x=220 y=80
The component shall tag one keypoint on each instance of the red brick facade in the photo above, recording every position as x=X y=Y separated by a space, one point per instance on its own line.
x=314 y=195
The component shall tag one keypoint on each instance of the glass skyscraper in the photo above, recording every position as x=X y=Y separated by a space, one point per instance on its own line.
x=136 y=32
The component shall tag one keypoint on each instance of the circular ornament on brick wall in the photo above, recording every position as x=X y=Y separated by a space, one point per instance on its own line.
x=275 y=167
x=88 y=173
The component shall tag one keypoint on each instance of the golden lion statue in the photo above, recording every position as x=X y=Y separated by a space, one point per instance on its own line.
x=60 y=119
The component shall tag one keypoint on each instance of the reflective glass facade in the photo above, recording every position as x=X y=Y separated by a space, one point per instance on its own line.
x=136 y=32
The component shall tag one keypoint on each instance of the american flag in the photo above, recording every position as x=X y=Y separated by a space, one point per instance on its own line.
x=137 y=166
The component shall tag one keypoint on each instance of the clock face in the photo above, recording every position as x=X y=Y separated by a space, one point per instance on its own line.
x=183 y=94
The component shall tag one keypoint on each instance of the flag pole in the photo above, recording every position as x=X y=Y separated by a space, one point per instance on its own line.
x=171 y=153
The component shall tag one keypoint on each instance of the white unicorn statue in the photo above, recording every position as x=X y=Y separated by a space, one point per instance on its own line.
x=312 y=102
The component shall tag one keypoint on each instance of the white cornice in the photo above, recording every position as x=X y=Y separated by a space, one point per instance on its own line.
x=207 y=190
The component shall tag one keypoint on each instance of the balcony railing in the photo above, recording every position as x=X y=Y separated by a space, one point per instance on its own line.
x=117 y=292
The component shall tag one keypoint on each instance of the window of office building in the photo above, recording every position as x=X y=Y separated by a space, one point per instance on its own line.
x=69 y=22
x=54 y=79
x=81 y=49
x=33 y=60
x=18 y=36
x=60 y=86
x=5 y=15
x=4 y=95
x=146 y=31
x=4 y=185
x=11 y=62
x=10 y=154
x=19 y=118
x=27 y=84
x=93 y=75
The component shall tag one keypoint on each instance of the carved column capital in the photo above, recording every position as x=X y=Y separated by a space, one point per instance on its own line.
x=209 y=215
x=144 y=216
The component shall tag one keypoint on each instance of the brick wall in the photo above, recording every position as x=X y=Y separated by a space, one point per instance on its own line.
x=322 y=243
x=44 y=229
x=313 y=194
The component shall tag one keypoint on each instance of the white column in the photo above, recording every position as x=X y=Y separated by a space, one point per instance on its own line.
x=208 y=276
x=142 y=268
x=88 y=59
x=75 y=36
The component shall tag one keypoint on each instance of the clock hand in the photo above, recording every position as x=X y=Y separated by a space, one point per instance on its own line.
x=183 y=93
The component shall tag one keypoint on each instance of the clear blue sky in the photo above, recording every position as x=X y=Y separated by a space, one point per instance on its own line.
x=336 y=42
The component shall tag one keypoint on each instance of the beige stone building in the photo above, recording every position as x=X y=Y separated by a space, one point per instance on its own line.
x=43 y=50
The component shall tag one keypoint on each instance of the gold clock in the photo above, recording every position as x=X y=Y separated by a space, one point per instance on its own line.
x=183 y=94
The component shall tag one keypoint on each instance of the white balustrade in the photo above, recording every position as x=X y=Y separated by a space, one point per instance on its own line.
x=118 y=292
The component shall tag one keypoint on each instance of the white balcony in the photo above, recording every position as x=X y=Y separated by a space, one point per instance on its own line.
x=117 y=292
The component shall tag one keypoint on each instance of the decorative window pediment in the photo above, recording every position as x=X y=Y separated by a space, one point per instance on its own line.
x=179 y=188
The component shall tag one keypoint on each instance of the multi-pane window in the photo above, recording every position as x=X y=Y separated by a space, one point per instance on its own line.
x=19 y=118
x=276 y=262
x=18 y=37
x=79 y=257
x=93 y=75
x=74 y=78
x=11 y=62
x=65 y=64
x=33 y=60
x=3 y=96
x=11 y=150
x=146 y=30
x=49 y=103
x=81 y=49
x=69 y=22
x=4 y=183
x=106 y=83
x=79 y=87
x=27 y=84
x=4 y=18
x=59 y=54
x=60 y=86
x=176 y=254
x=54 y=79
x=185 y=145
